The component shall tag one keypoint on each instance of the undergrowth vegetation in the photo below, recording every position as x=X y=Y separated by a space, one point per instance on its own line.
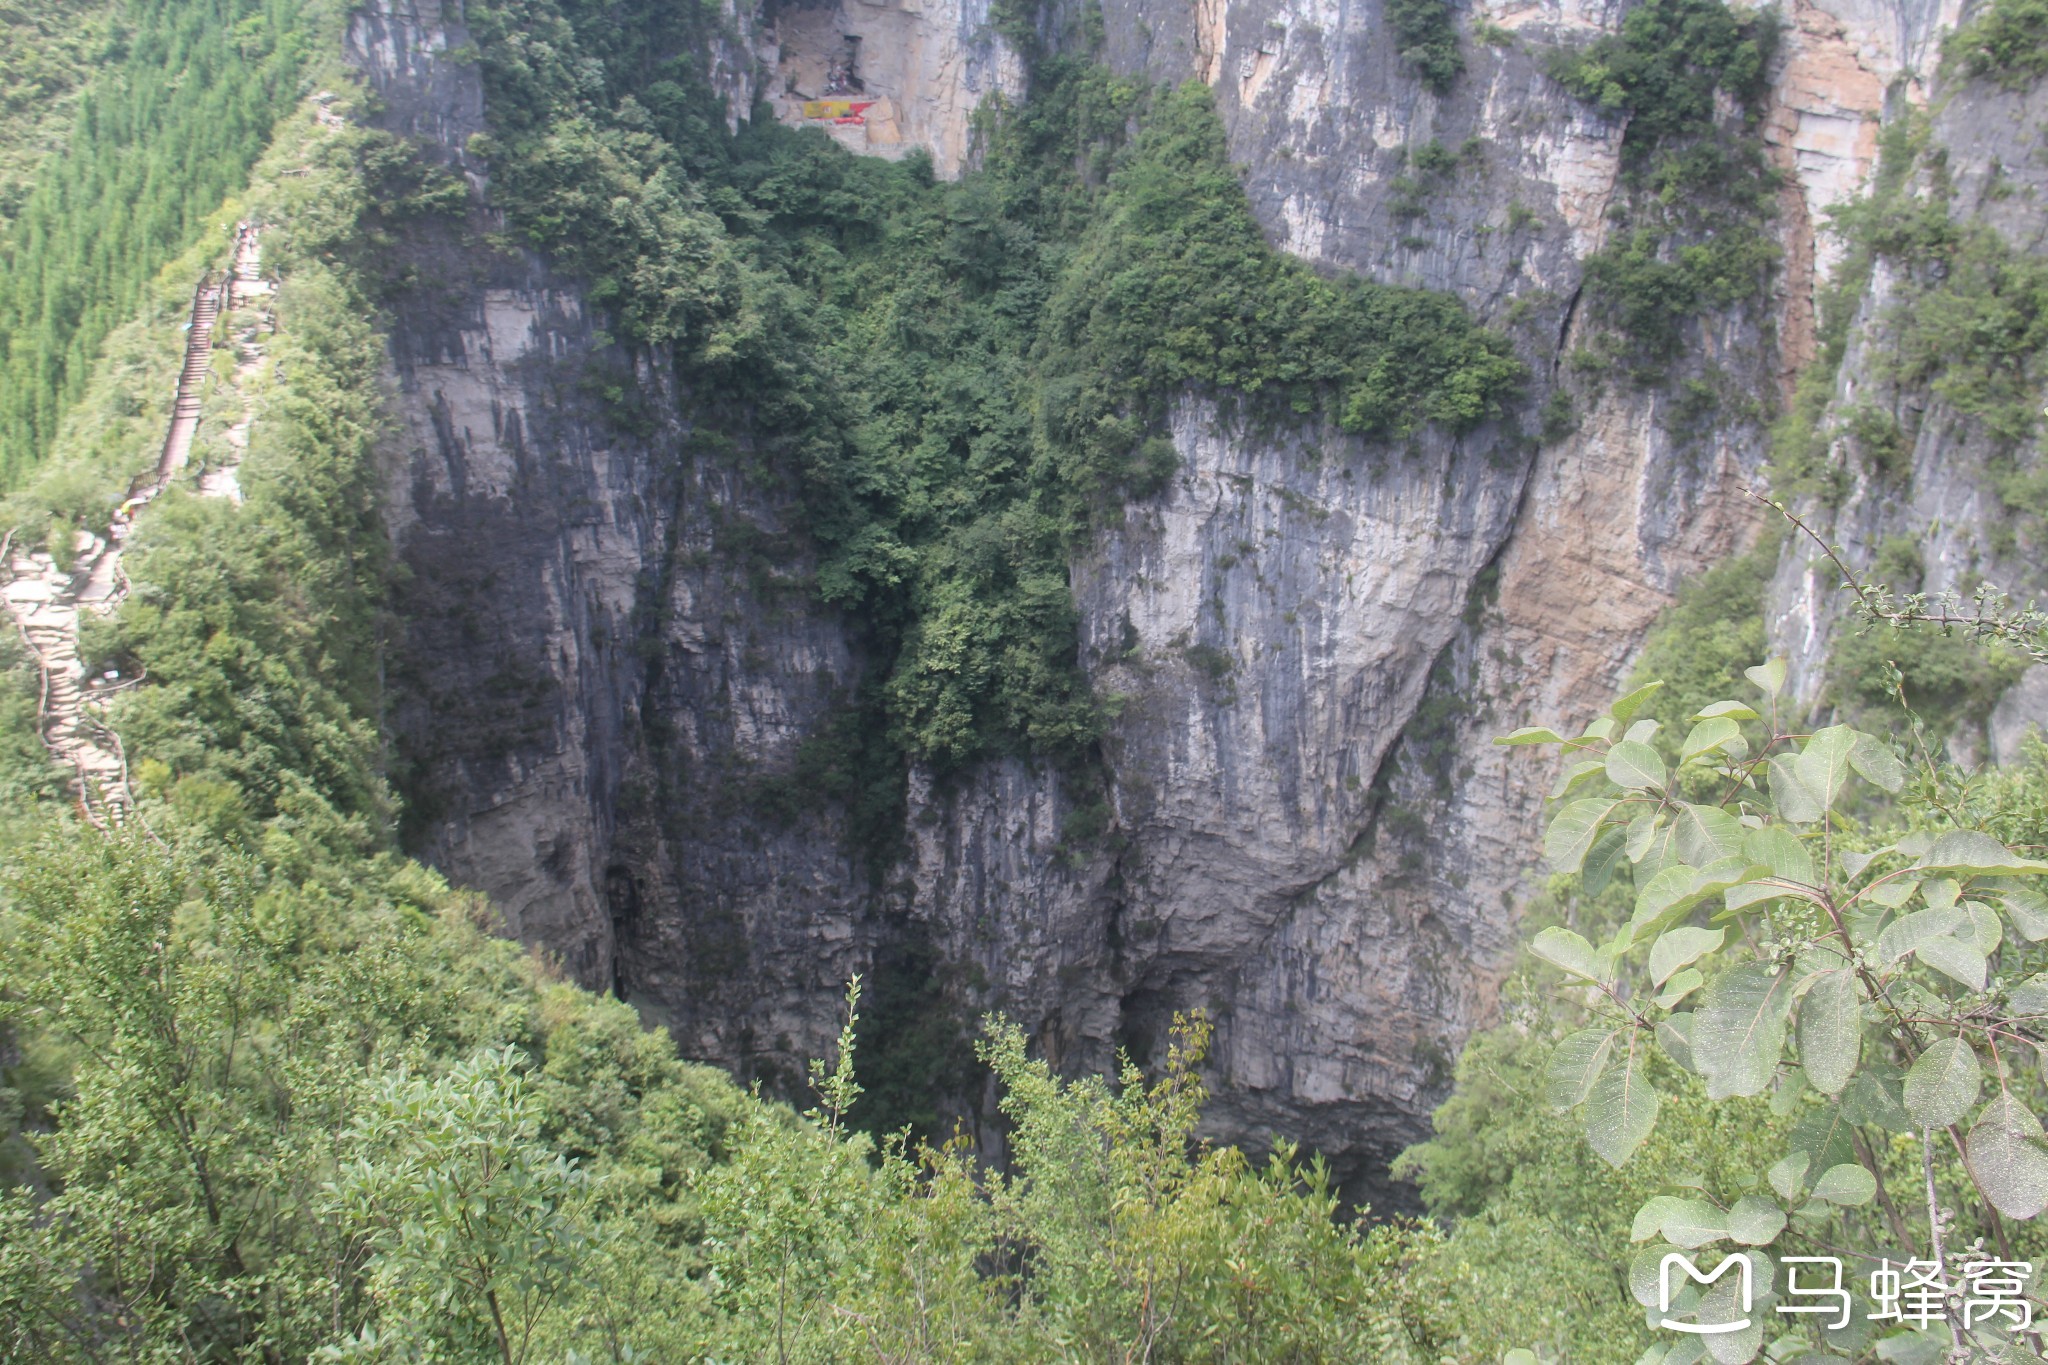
x=2006 y=42
x=1964 y=323
x=271 y=1090
x=47 y=52
x=1426 y=36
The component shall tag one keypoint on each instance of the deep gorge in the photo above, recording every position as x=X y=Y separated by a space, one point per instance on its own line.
x=547 y=537
x=702 y=674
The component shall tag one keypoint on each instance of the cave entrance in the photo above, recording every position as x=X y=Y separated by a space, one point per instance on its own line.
x=842 y=73
x=841 y=100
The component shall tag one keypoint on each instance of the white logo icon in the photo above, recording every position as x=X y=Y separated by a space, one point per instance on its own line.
x=1692 y=1272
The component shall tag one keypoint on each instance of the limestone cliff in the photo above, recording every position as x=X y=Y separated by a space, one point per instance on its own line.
x=1311 y=835
x=1955 y=491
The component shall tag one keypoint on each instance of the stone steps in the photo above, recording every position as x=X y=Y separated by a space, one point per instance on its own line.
x=45 y=601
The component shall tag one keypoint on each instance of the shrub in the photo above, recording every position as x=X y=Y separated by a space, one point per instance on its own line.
x=2006 y=43
x=1427 y=39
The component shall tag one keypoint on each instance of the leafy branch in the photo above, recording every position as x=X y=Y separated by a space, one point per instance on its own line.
x=1990 y=615
x=1791 y=951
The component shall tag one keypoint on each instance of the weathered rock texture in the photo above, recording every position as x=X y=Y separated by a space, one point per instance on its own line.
x=1945 y=499
x=1310 y=834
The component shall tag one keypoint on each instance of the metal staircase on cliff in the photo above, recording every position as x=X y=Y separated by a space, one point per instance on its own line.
x=47 y=600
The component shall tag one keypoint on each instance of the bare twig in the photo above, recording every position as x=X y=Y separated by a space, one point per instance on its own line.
x=1955 y=1330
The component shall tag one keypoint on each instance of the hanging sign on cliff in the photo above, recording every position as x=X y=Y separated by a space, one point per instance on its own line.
x=838 y=111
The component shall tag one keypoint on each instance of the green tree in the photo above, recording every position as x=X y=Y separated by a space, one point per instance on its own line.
x=464 y=1212
x=1881 y=981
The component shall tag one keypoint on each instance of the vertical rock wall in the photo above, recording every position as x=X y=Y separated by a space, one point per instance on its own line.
x=1941 y=496
x=595 y=670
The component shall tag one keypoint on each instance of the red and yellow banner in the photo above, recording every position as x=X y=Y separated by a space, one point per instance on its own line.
x=839 y=111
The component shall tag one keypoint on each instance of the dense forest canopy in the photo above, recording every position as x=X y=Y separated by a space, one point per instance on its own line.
x=183 y=100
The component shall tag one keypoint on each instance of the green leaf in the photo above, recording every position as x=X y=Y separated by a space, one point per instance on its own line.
x=1847 y=1183
x=1956 y=959
x=1985 y=933
x=1794 y=800
x=1768 y=677
x=1575 y=774
x=1675 y=1036
x=1966 y=851
x=1909 y=933
x=1831 y=1030
x=1622 y=1109
x=1630 y=704
x=1765 y=888
x=1649 y=1219
x=1788 y=1177
x=1645 y=1269
x=1823 y=765
x=1880 y=767
x=2030 y=997
x=1741 y=1030
x=1724 y=873
x=1759 y=882
x=1708 y=736
x=1669 y=890
x=1575 y=1064
x=1660 y=851
x=1943 y=1083
x=1733 y=710
x=1780 y=850
x=1560 y=947
x=1719 y=1307
x=1642 y=731
x=1530 y=734
x=1572 y=833
x=1676 y=989
x=1678 y=947
x=1601 y=728
x=1639 y=831
x=1871 y=1099
x=1791 y=1085
x=2006 y=1157
x=2026 y=908
x=1822 y=1133
x=1755 y=1221
x=1634 y=765
x=1694 y=1223
x=1606 y=857
x=1706 y=834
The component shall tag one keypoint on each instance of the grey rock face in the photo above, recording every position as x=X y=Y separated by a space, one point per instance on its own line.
x=1309 y=832
x=1943 y=496
x=2021 y=715
x=577 y=606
